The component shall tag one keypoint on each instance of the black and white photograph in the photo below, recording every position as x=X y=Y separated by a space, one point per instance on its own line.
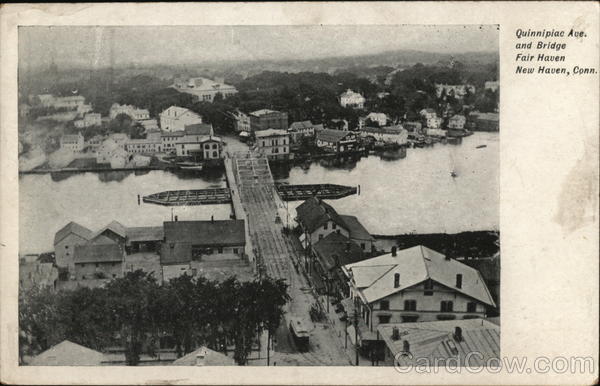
x=258 y=195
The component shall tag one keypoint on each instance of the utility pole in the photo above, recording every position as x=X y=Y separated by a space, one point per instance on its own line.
x=356 y=332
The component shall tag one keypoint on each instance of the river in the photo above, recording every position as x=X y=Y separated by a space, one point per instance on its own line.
x=413 y=194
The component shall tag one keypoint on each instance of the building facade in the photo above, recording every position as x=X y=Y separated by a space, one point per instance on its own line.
x=275 y=144
x=457 y=122
x=268 y=119
x=133 y=112
x=89 y=120
x=98 y=261
x=72 y=142
x=352 y=99
x=65 y=241
x=204 y=89
x=176 y=118
x=336 y=141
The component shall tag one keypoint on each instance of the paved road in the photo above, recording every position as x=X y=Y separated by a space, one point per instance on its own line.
x=278 y=253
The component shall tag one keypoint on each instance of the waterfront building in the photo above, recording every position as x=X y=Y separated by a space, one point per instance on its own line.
x=186 y=243
x=204 y=357
x=337 y=141
x=329 y=255
x=456 y=90
x=380 y=118
x=241 y=121
x=72 y=142
x=416 y=284
x=492 y=85
x=318 y=219
x=169 y=140
x=150 y=145
x=268 y=119
x=199 y=142
x=352 y=99
x=441 y=342
x=204 y=89
x=435 y=122
x=297 y=130
x=65 y=241
x=89 y=119
x=133 y=112
x=176 y=118
x=389 y=134
x=457 y=122
x=67 y=353
x=275 y=144
x=413 y=127
x=98 y=262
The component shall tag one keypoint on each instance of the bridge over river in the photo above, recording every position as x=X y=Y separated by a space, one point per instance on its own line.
x=257 y=200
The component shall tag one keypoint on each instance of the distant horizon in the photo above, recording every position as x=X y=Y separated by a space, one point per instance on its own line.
x=90 y=47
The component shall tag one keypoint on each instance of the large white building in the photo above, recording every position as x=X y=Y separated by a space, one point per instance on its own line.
x=275 y=144
x=89 y=119
x=72 y=142
x=176 y=118
x=133 y=112
x=69 y=102
x=199 y=141
x=352 y=99
x=416 y=284
x=389 y=134
x=204 y=89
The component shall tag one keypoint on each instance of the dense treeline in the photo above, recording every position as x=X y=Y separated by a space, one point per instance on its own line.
x=134 y=312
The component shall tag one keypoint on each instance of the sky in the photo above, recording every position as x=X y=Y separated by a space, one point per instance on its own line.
x=91 y=46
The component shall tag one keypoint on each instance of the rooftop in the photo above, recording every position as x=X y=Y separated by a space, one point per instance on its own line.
x=139 y=234
x=436 y=341
x=329 y=135
x=72 y=228
x=206 y=233
x=260 y=113
x=356 y=229
x=270 y=133
x=67 y=353
x=375 y=277
x=337 y=245
x=209 y=358
x=301 y=125
x=313 y=212
x=199 y=129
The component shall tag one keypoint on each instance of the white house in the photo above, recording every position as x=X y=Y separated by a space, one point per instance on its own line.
x=72 y=142
x=352 y=99
x=242 y=121
x=204 y=89
x=416 y=284
x=133 y=112
x=457 y=122
x=318 y=219
x=273 y=143
x=176 y=118
x=170 y=139
x=89 y=119
x=380 y=118
x=435 y=122
x=389 y=134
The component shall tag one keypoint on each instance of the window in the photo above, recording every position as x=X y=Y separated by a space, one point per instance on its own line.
x=220 y=249
x=410 y=305
x=384 y=318
x=362 y=246
x=82 y=277
x=333 y=226
x=384 y=305
x=337 y=231
x=446 y=306
x=114 y=275
x=320 y=237
x=428 y=288
x=97 y=265
x=215 y=155
x=214 y=146
x=325 y=226
x=471 y=307
x=66 y=247
x=235 y=251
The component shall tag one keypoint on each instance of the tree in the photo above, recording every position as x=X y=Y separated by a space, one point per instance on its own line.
x=130 y=306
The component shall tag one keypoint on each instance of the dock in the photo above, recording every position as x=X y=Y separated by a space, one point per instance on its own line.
x=223 y=195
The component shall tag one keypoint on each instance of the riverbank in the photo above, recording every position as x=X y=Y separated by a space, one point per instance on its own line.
x=458 y=245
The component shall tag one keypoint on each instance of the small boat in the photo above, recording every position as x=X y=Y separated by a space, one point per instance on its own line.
x=190 y=166
x=453 y=174
x=481 y=146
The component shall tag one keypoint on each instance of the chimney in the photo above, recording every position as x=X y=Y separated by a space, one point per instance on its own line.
x=396 y=280
x=458 y=334
x=212 y=218
x=394 y=249
x=200 y=357
x=458 y=280
x=405 y=346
